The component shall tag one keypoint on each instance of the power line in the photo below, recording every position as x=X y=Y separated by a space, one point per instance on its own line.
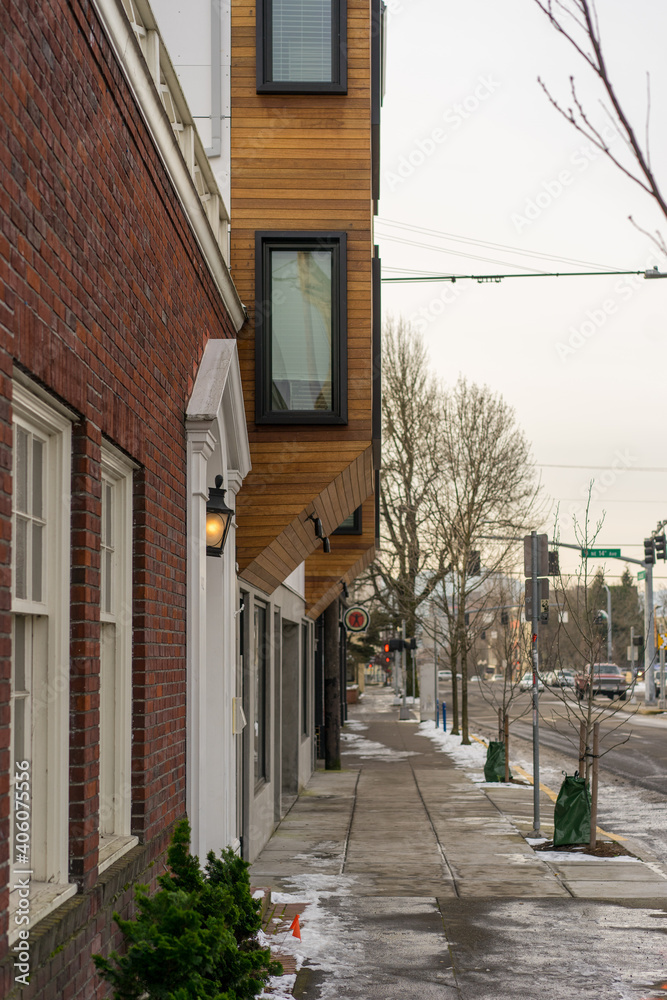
x=492 y=246
x=607 y=500
x=484 y=278
x=604 y=468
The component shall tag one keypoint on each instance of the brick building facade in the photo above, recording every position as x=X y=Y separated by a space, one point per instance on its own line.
x=107 y=300
x=139 y=679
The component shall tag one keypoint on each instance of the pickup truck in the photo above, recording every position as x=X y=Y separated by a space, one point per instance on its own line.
x=607 y=679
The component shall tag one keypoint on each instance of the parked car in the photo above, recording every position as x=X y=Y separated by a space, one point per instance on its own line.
x=565 y=678
x=607 y=679
x=526 y=683
x=444 y=675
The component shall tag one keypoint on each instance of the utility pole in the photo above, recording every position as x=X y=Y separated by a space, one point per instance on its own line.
x=435 y=664
x=649 y=631
x=609 y=647
x=536 y=723
x=404 y=713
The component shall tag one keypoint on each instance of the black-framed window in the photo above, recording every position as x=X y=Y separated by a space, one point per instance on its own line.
x=301 y=328
x=351 y=525
x=302 y=46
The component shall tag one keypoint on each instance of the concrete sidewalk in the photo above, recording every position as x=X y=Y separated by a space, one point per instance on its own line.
x=419 y=883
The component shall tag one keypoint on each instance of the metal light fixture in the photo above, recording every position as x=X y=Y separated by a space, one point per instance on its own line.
x=218 y=519
x=319 y=530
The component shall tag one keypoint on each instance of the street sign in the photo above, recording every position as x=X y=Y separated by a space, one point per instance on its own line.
x=356 y=619
x=601 y=553
x=542 y=596
x=542 y=555
x=641 y=575
x=662 y=641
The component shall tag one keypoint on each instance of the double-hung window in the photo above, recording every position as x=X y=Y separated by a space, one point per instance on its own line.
x=300 y=324
x=302 y=46
x=40 y=648
x=115 y=656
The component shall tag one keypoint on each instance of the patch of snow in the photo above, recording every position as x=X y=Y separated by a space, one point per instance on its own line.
x=258 y=894
x=328 y=942
x=279 y=988
x=370 y=750
x=473 y=755
x=355 y=725
x=536 y=841
x=563 y=856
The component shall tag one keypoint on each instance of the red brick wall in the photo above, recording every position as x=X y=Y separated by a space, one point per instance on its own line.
x=104 y=299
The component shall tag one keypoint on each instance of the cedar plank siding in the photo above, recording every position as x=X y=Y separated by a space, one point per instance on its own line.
x=303 y=162
x=350 y=554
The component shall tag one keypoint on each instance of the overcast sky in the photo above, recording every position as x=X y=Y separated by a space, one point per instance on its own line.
x=472 y=149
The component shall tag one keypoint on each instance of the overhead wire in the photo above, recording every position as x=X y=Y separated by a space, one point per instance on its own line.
x=505 y=248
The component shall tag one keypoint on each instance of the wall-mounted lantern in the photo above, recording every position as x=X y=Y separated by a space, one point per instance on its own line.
x=218 y=519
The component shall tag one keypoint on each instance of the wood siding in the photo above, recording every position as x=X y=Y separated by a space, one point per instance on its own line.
x=350 y=554
x=302 y=162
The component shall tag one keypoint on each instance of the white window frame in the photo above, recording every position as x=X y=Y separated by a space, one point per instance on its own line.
x=49 y=696
x=116 y=659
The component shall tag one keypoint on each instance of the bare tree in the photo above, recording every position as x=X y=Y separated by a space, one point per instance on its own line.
x=579 y=635
x=488 y=488
x=577 y=22
x=411 y=561
x=508 y=639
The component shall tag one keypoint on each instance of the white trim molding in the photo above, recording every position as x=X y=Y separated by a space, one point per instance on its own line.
x=135 y=38
x=41 y=555
x=217 y=444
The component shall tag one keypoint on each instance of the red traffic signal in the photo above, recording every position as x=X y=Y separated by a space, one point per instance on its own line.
x=386 y=647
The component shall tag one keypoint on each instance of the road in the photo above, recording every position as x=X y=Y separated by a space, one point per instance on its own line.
x=633 y=777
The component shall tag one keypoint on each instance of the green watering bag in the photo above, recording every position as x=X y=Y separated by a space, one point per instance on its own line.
x=494 y=768
x=572 y=814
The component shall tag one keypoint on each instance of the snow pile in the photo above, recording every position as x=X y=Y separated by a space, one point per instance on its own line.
x=464 y=756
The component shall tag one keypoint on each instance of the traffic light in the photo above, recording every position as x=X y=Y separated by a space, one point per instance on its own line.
x=504 y=617
x=474 y=564
x=554 y=567
x=410 y=643
x=467 y=619
x=393 y=644
x=660 y=552
x=649 y=551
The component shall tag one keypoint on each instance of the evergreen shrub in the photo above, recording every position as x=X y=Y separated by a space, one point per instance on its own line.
x=196 y=938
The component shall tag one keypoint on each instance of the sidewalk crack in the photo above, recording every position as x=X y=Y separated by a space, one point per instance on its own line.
x=349 y=826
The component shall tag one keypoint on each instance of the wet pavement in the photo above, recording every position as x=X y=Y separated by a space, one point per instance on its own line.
x=419 y=883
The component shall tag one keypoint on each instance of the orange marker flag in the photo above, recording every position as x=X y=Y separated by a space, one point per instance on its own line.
x=294 y=927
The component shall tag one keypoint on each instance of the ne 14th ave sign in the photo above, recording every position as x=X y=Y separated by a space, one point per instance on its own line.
x=601 y=553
